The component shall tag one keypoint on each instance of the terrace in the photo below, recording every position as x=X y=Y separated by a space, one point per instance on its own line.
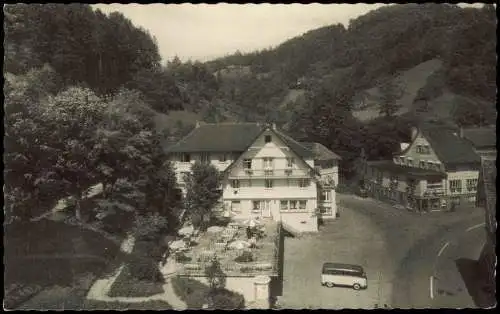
x=238 y=255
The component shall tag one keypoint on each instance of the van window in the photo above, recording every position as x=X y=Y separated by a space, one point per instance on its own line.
x=342 y=272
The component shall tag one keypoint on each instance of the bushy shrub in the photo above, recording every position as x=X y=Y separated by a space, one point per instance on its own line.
x=227 y=300
x=145 y=269
x=245 y=257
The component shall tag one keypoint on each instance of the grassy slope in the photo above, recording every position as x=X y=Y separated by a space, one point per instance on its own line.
x=412 y=80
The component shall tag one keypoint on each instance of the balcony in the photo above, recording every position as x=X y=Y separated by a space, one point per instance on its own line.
x=270 y=173
x=431 y=191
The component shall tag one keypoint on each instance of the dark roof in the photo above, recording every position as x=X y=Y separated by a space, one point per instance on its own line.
x=295 y=146
x=485 y=137
x=320 y=151
x=390 y=166
x=222 y=137
x=449 y=147
x=229 y=137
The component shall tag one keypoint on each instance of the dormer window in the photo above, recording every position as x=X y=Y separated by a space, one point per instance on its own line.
x=289 y=162
x=247 y=163
x=267 y=139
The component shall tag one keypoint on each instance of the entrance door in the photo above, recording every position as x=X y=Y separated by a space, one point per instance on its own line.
x=266 y=208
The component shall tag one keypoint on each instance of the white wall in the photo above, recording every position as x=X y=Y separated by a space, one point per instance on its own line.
x=463 y=176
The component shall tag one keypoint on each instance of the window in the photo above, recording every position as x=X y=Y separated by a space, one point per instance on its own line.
x=380 y=176
x=269 y=184
x=284 y=205
x=205 y=158
x=293 y=204
x=186 y=158
x=249 y=183
x=302 y=204
x=268 y=162
x=235 y=184
x=394 y=178
x=324 y=196
x=256 y=205
x=423 y=149
x=422 y=164
x=289 y=162
x=409 y=161
x=235 y=206
x=222 y=158
x=303 y=183
x=267 y=139
x=247 y=163
x=455 y=186
x=471 y=185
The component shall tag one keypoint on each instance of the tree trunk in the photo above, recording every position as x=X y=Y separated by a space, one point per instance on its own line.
x=78 y=213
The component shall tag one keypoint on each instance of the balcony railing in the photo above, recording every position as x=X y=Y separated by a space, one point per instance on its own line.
x=271 y=173
x=434 y=191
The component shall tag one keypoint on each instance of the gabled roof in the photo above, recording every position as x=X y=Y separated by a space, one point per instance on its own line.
x=483 y=137
x=230 y=137
x=449 y=147
x=221 y=137
x=320 y=152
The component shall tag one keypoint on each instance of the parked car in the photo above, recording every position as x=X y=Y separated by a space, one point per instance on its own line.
x=347 y=275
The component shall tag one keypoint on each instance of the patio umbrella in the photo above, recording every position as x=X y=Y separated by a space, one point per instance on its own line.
x=239 y=245
x=177 y=245
x=251 y=222
x=214 y=229
x=186 y=231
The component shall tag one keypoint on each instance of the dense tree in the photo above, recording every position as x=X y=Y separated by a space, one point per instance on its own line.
x=202 y=193
x=389 y=103
x=82 y=45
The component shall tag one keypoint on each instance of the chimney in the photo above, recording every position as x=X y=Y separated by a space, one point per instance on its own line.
x=414 y=131
x=461 y=132
x=274 y=126
x=197 y=124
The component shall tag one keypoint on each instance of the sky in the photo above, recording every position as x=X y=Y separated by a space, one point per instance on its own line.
x=207 y=31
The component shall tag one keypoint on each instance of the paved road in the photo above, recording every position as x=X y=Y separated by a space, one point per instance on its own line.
x=414 y=241
x=353 y=238
x=456 y=277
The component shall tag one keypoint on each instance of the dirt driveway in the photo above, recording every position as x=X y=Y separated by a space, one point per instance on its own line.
x=352 y=238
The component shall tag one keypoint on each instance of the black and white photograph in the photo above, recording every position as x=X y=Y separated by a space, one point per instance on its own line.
x=246 y=156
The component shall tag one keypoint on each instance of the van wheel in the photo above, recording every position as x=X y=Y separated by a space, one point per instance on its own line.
x=329 y=284
x=356 y=286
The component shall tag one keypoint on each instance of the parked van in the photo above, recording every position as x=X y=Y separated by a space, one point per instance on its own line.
x=336 y=274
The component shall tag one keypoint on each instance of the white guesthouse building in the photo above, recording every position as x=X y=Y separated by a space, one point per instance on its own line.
x=265 y=172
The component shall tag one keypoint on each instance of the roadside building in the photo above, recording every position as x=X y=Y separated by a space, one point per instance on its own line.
x=437 y=170
x=266 y=173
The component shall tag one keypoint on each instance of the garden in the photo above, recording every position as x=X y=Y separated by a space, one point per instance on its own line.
x=242 y=247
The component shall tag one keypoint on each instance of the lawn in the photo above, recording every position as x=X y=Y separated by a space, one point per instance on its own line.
x=126 y=285
x=43 y=254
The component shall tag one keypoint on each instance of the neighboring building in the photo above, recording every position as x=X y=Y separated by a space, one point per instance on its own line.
x=487 y=199
x=433 y=172
x=483 y=139
x=266 y=172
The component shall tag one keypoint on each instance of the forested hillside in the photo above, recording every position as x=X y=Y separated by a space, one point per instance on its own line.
x=413 y=61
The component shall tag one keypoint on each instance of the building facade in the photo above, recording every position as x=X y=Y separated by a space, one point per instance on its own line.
x=487 y=199
x=265 y=172
x=437 y=170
